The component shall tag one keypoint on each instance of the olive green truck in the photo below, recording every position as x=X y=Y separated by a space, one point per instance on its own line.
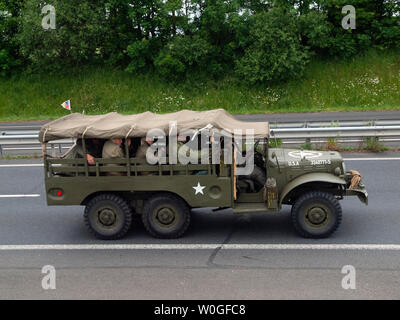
x=114 y=190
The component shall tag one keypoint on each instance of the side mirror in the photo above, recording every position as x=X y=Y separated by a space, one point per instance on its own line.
x=273 y=155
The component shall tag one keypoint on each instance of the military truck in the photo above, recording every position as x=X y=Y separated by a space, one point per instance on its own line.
x=163 y=194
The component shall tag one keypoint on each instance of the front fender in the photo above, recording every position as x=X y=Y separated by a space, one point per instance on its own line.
x=307 y=178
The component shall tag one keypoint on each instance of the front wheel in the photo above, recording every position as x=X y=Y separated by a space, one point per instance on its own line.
x=316 y=214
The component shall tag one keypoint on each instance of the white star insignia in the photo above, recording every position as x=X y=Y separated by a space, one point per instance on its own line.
x=199 y=189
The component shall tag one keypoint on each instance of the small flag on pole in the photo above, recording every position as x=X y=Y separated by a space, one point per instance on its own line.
x=67 y=105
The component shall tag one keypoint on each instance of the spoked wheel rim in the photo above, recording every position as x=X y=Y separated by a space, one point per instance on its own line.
x=107 y=217
x=165 y=216
x=317 y=215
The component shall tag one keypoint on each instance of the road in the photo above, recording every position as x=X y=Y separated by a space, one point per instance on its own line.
x=204 y=264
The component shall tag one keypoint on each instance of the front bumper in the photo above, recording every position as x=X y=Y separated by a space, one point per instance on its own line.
x=360 y=192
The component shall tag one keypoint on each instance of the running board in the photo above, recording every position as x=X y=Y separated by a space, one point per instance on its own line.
x=250 y=208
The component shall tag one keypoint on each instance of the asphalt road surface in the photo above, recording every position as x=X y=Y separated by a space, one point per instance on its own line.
x=222 y=256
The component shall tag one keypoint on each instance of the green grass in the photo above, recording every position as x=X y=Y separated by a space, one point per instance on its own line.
x=369 y=82
x=17 y=157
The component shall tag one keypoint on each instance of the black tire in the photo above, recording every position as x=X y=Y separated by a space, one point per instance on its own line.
x=108 y=216
x=316 y=215
x=166 y=216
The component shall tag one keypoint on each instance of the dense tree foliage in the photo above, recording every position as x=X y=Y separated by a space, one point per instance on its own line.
x=10 y=15
x=257 y=41
x=274 y=50
x=80 y=35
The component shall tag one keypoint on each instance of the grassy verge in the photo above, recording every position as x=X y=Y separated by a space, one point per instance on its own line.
x=17 y=157
x=369 y=82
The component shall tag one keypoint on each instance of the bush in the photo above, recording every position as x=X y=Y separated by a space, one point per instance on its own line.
x=275 y=52
x=275 y=143
x=373 y=144
x=7 y=62
x=169 y=67
x=141 y=53
x=183 y=55
x=315 y=30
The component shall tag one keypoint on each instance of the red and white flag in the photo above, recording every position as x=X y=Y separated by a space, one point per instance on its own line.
x=67 y=105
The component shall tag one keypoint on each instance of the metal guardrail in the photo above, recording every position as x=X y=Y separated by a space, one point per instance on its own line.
x=26 y=138
x=336 y=132
x=328 y=124
x=30 y=142
x=19 y=139
x=19 y=130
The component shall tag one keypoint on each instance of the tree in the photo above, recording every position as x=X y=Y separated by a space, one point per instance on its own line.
x=376 y=26
x=10 y=12
x=263 y=40
x=80 y=36
x=183 y=55
x=274 y=52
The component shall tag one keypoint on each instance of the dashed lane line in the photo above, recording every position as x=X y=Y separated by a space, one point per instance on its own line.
x=19 y=195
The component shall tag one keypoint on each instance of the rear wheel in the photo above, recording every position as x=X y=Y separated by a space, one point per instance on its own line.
x=108 y=216
x=316 y=214
x=166 y=216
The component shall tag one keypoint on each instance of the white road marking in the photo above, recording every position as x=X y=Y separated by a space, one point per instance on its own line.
x=380 y=247
x=21 y=165
x=19 y=195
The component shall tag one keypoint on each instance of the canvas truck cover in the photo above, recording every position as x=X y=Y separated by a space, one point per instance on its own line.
x=114 y=125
